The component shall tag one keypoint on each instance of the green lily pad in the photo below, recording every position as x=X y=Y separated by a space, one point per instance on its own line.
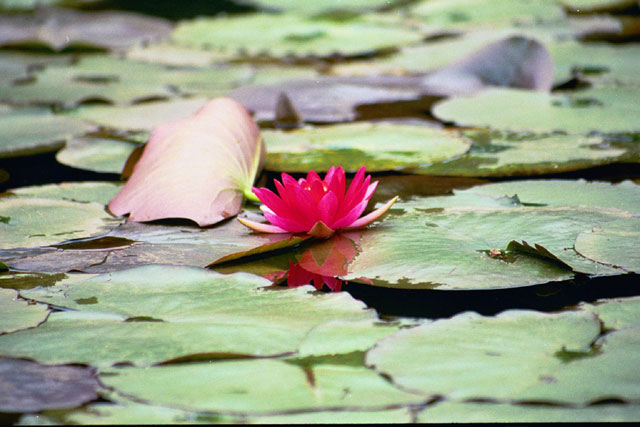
x=114 y=80
x=106 y=155
x=24 y=132
x=17 y=314
x=288 y=34
x=490 y=359
x=616 y=313
x=602 y=63
x=380 y=146
x=152 y=314
x=624 y=195
x=484 y=13
x=28 y=387
x=169 y=53
x=614 y=244
x=258 y=386
x=18 y=66
x=39 y=222
x=387 y=416
x=424 y=57
x=340 y=337
x=603 y=110
x=487 y=412
x=499 y=154
x=143 y=117
x=83 y=192
x=127 y=412
x=178 y=244
x=450 y=248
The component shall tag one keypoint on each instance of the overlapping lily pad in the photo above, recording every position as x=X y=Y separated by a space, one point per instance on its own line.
x=18 y=314
x=105 y=155
x=259 y=386
x=602 y=110
x=38 y=222
x=177 y=244
x=478 y=13
x=32 y=131
x=616 y=313
x=452 y=248
x=624 y=195
x=604 y=64
x=83 y=192
x=381 y=146
x=288 y=34
x=512 y=154
x=556 y=361
x=177 y=312
x=114 y=80
x=613 y=244
x=142 y=117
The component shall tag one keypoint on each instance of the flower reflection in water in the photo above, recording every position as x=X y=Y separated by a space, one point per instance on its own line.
x=322 y=264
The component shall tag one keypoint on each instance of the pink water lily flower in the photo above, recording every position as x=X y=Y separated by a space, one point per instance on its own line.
x=317 y=206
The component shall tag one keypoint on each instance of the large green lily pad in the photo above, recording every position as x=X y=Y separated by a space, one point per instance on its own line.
x=32 y=131
x=603 y=110
x=128 y=412
x=485 y=13
x=83 y=192
x=517 y=355
x=142 y=117
x=602 y=63
x=451 y=248
x=105 y=155
x=616 y=313
x=115 y=80
x=613 y=244
x=381 y=146
x=424 y=57
x=18 y=314
x=507 y=154
x=340 y=337
x=288 y=34
x=39 y=222
x=487 y=412
x=258 y=386
x=176 y=312
x=557 y=192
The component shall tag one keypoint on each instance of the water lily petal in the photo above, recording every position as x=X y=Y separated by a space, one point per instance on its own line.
x=327 y=208
x=284 y=223
x=260 y=227
x=336 y=182
x=368 y=219
x=270 y=199
x=348 y=219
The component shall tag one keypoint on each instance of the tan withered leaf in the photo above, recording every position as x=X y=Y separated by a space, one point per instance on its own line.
x=196 y=168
